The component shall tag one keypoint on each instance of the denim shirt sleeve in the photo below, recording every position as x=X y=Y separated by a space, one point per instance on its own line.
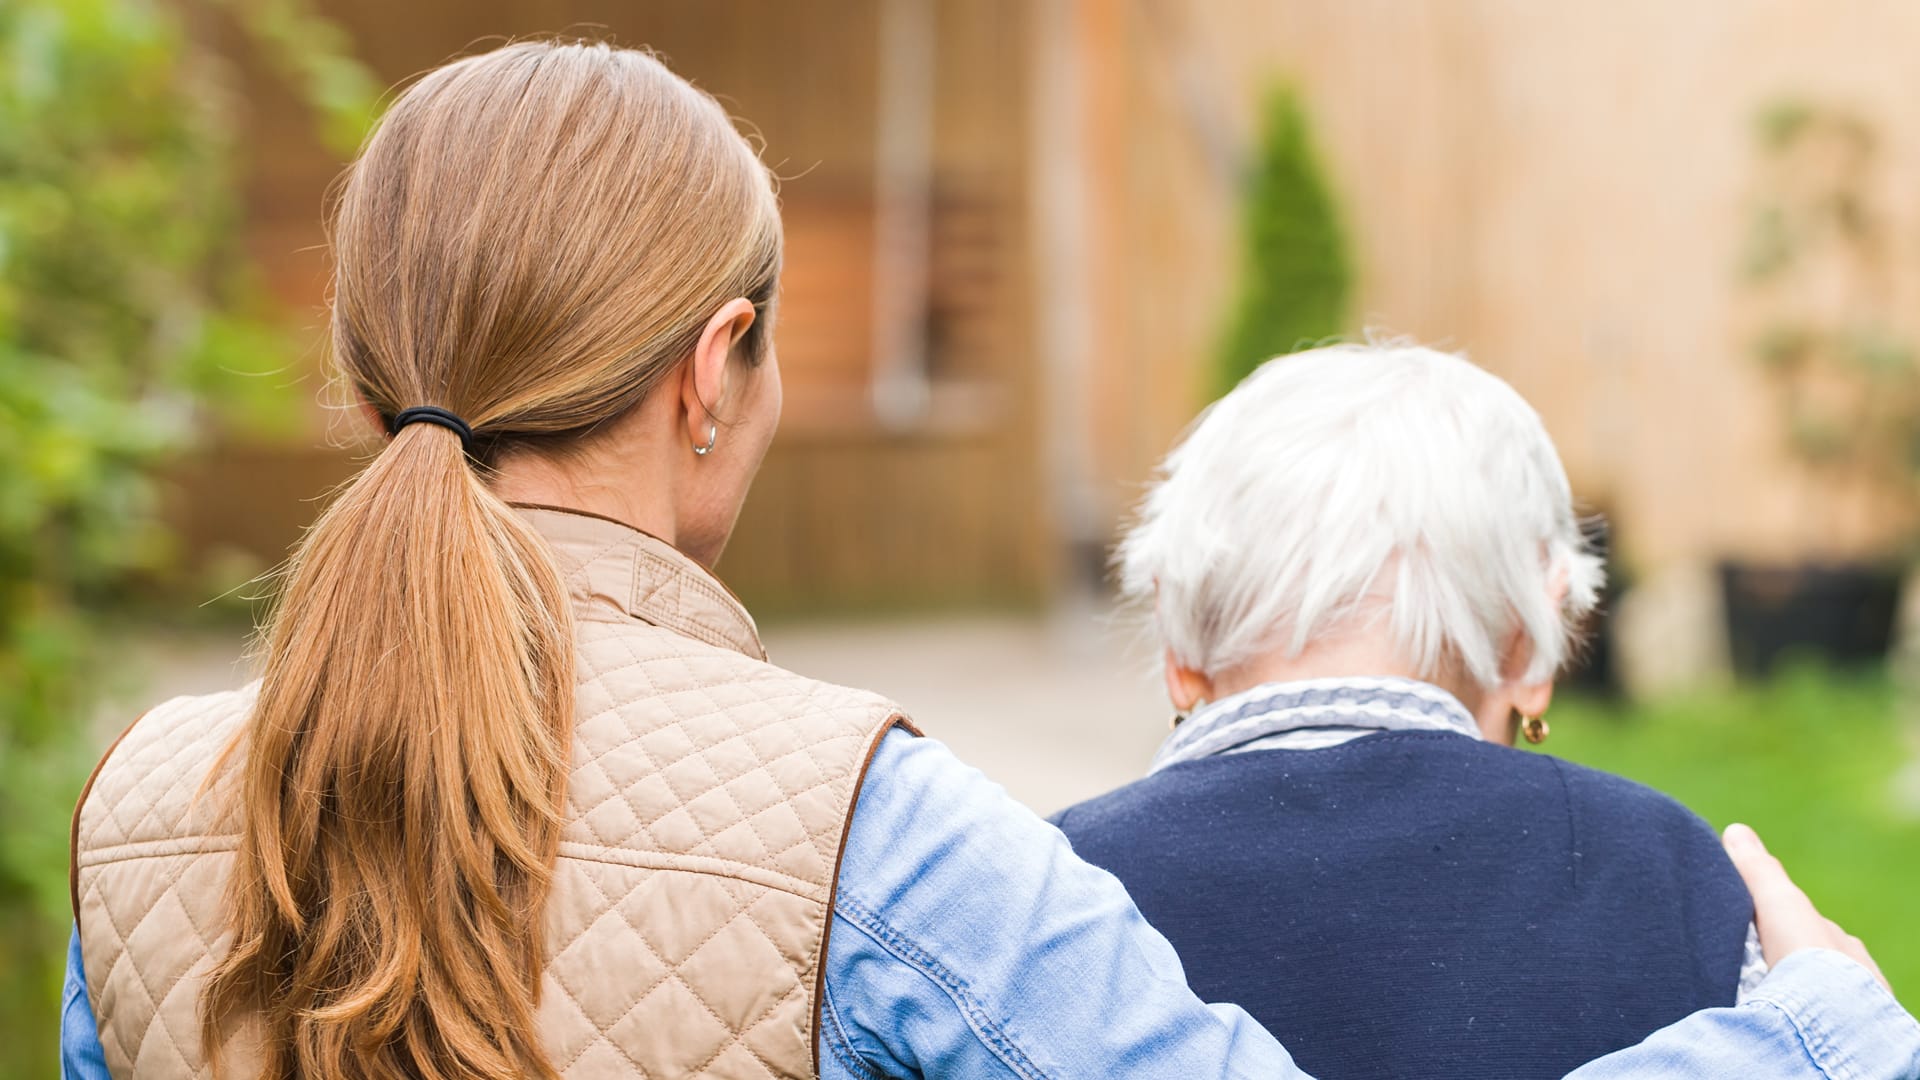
x=1816 y=1015
x=81 y=1057
x=969 y=941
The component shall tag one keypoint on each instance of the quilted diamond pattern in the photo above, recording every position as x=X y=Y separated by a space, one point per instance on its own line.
x=708 y=800
x=152 y=855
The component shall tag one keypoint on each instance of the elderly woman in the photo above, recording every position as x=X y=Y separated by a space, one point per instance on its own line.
x=1365 y=571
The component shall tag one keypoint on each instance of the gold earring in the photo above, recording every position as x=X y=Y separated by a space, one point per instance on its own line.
x=1181 y=716
x=1534 y=728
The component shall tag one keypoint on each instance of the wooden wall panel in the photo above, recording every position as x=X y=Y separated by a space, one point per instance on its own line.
x=846 y=513
x=1558 y=188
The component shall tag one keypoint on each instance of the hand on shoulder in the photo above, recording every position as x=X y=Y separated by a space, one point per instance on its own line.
x=1787 y=919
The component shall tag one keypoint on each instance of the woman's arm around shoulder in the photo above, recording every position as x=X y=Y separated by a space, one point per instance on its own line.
x=969 y=941
x=1818 y=1014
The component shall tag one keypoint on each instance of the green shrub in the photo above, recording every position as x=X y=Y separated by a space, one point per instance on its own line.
x=127 y=323
x=1296 y=272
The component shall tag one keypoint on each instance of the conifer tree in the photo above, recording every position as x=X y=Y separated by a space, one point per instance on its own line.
x=1296 y=271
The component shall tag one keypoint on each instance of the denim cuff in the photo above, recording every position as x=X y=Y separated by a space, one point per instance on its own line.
x=1851 y=1027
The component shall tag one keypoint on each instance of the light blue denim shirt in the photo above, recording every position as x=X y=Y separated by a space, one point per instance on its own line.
x=969 y=941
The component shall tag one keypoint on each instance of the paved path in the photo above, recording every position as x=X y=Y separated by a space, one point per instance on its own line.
x=1056 y=707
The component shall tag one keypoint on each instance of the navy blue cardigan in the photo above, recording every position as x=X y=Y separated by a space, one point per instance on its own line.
x=1422 y=904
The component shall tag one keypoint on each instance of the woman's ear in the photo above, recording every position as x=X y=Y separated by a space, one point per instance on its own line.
x=373 y=419
x=1533 y=699
x=1186 y=688
x=707 y=375
x=1496 y=709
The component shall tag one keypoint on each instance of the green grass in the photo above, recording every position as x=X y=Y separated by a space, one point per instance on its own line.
x=1809 y=762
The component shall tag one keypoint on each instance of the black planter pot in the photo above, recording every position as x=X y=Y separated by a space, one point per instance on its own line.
x=1840 y=613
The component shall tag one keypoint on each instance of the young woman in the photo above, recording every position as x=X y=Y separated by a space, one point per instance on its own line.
x=519 y=794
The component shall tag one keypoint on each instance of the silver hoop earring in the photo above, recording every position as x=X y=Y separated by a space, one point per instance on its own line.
x=713 y=436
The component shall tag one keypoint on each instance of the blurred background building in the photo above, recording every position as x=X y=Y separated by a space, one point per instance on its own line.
x=1019 y=241
x=1014 y=235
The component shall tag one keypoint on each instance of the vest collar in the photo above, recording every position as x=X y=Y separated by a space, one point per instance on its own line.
x=611 y=568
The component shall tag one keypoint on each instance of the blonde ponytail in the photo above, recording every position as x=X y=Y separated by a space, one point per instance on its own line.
x=403 y=782
x=531 y=241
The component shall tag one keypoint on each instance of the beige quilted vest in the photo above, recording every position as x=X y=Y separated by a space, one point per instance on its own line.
x=710 y=796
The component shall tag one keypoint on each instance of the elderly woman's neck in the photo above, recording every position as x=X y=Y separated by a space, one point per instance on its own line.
x=1351 y=657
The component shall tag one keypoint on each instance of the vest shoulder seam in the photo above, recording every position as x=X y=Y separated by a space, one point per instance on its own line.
x=711 y=866
x=165 y=847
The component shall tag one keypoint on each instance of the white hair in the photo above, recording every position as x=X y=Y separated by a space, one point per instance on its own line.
x=1341 y=483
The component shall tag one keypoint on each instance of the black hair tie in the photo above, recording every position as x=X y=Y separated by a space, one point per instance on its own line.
x=432 y=414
